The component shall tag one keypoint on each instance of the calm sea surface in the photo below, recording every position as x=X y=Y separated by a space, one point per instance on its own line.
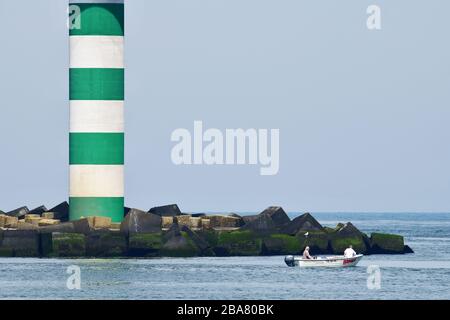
x=423 y=275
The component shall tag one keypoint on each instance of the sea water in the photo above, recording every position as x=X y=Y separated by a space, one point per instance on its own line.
x=422 y=275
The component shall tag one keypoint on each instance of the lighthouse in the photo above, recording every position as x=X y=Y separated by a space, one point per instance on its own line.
x=96 y=138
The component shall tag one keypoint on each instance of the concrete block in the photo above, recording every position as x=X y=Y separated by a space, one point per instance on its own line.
x=138 y=221
x=184 y=220
x=170 y=210
x=144 y=244
x=97 y=222
x=105 y=243
x=65 y=227
x=177 y=243
x=2 y=220
x=222 y=221
x=33 y=220
x=206 y=223
x=102 y=222
x=63 y=245
x=167 y=221
x=61 y=211
x=48 y=222
x=39 y=210
x=19 y=212
x=29 y=216
x=48 y=215
x=84 y=226
x=23 y=243
x=22 y=225
x=115 y=226
x=11 y=222
x=195 y=223
x=382 y=243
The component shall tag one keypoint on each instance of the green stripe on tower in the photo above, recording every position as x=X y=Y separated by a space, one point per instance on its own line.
x=100 y=19
x=96 y=84
x=103 y=207
x=96 y=148
x=97 y=79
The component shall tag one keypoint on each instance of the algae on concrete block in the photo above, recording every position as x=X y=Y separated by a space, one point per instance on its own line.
x=210 y=236
x=144 y=244
x=106 y=244
x=64 y=245
x=180 y=245
x=281 y=244
x=238 y=243
x=388 y=243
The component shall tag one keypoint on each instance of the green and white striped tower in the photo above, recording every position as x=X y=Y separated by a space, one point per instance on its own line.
x=96 y=32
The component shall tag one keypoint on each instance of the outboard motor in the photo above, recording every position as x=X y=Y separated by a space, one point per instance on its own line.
x=290 y=261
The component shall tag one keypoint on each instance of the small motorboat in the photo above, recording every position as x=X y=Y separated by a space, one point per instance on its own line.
x=323 y=261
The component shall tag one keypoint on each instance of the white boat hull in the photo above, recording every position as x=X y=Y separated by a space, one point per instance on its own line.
x=323 y=262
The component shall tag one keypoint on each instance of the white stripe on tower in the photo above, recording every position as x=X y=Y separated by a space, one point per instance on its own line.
x=96 y=116
x=96 y=52
x=96 y=180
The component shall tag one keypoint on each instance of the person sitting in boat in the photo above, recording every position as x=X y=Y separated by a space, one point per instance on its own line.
x=306 y=254
x=349 y=252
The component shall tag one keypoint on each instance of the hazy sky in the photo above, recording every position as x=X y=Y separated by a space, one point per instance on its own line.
x=363 y=115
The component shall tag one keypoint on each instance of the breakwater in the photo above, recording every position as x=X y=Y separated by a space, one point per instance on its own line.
x=167 y=232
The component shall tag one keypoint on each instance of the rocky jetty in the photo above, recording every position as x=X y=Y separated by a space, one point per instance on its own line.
x=167 y=232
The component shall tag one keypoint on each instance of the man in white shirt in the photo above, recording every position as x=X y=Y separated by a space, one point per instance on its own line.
x=306 y=254
x=349 y=252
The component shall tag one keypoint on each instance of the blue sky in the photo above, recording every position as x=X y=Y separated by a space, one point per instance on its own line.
x=363 y=115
